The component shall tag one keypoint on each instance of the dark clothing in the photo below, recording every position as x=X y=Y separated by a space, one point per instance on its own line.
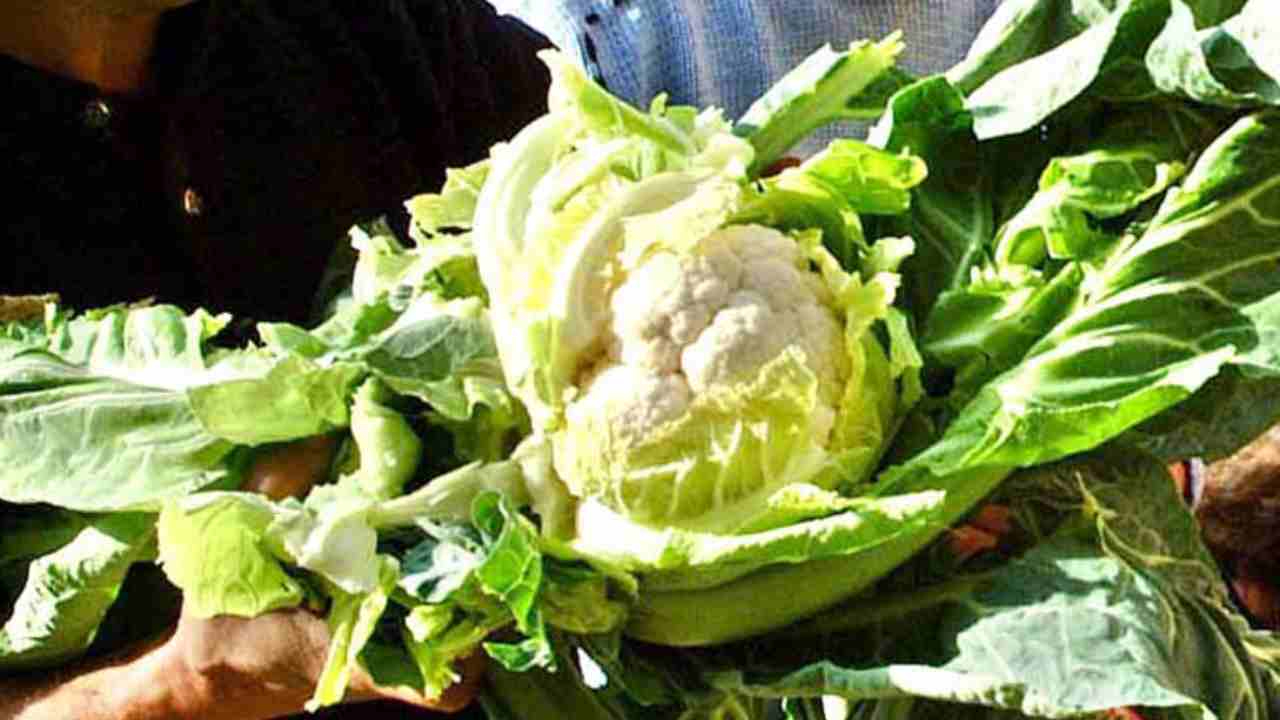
x=273 y=126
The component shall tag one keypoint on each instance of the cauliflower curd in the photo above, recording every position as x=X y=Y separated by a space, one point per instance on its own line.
x=682 y=326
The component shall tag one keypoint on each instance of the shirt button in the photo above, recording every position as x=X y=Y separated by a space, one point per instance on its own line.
x=192 y=203
x=97 y=114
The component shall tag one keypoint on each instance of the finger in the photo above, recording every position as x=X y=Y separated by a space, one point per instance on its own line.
x=290 y=470
x=966 y=541
x=1257 y=593
x=995 y=518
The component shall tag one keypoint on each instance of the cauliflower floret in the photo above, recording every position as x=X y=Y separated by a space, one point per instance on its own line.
x=637 y=400
x=682 y=325
x=744 y=335
x=665 y=304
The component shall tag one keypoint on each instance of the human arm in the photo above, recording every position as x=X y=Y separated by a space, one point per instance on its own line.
x=116 y=688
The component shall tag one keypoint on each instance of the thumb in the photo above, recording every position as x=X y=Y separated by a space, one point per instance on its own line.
x=289 y=470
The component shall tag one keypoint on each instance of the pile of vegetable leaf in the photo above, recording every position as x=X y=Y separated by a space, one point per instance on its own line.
x=665 y=437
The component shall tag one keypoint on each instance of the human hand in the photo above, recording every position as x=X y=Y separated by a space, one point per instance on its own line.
x=1236 y=501
x=268 y=666
x=224 y=667
x=265 y=667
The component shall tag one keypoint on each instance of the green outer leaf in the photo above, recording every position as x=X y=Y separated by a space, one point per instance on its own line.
x=951 y=218
x=481 y=414
x=538 y=693
x=455 y=205
x=388 y=446
x=437 y=636
x=1229 y=412
x=69 y=591
x=512 y=572
x=1264 y=360
x=983 y=331
x=106 y=399
x=214 y=547
x=1161 y=316
x=153 y=347
x=1122 y=606
x=1108 y=50
x=431 y=342
x=1137 y=157
x=576 y=598
x=804 y=204
x=1217 y=65
x=296 y=399
x=103 y=445
x=27 y=532
x=871 y=180
x=574 y=93
x=441 y=352
x=352 y=621
x=803 y=709
x=452 y=496
x=672 y=559
x=475 y=579
x=825 y=87
x=1017 y=31
x=714 y=615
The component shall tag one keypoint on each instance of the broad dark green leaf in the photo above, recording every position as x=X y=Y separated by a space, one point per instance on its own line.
x=951 y=217
x=540 y=693
x=1218 y=53
x=1017 y=31
x=1134 y=158
x=512 y=572
x=986 y=327
x=1104 y=58
x=1226 y=414
x=29 y=531
x=1160 y=316
x=1120 y=606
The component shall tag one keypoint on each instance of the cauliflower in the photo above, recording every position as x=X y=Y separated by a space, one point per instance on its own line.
x=720 y=376
x=684 y=342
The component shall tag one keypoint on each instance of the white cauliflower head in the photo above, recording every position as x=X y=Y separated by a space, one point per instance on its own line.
x=722 y=375
x=683 y=326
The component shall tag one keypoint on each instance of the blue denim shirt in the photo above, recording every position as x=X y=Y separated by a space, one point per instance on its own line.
x=728 y=52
